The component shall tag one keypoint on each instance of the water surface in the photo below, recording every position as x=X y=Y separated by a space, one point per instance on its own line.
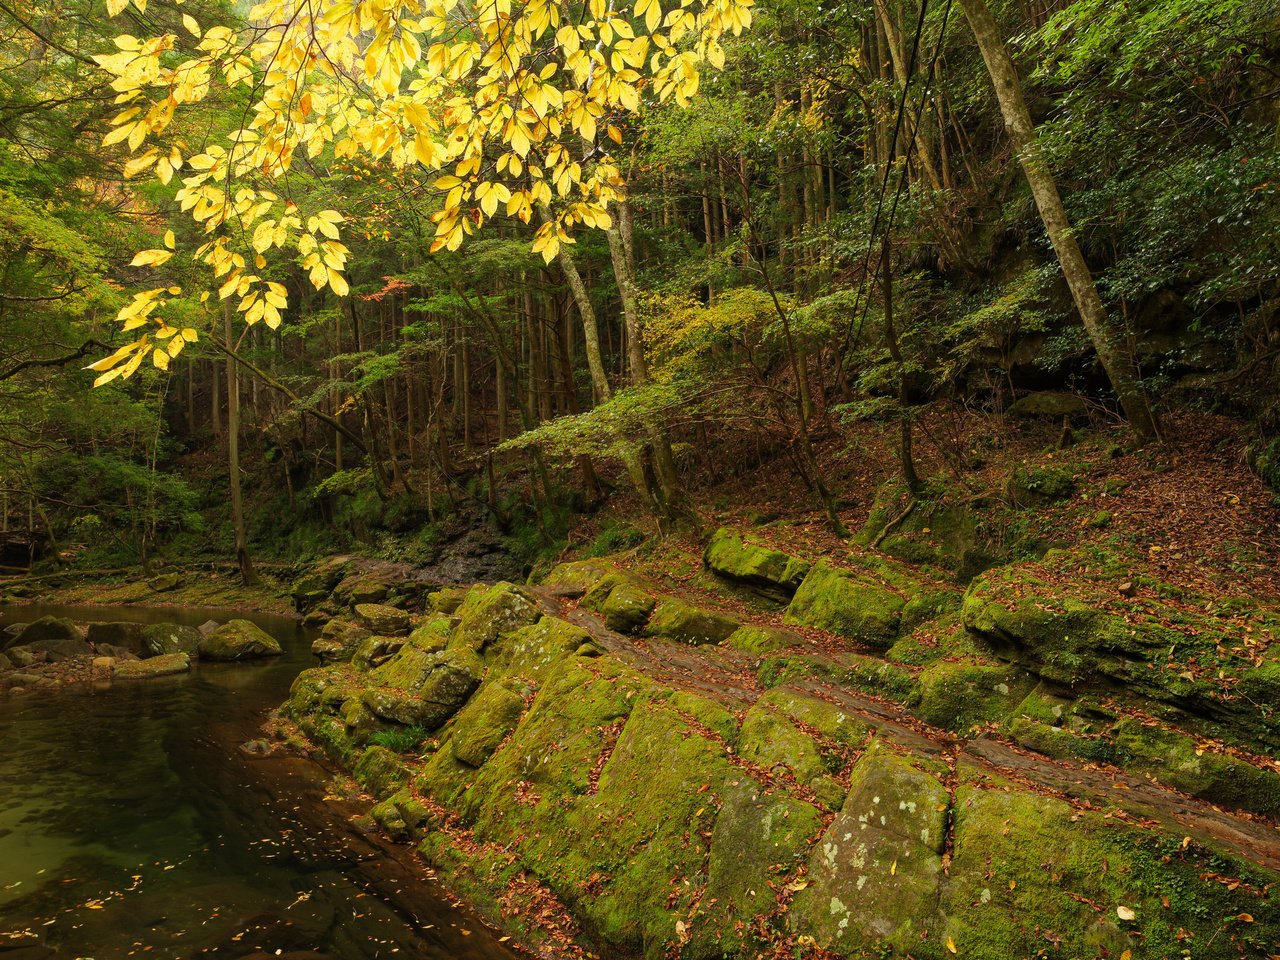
x=131 y=825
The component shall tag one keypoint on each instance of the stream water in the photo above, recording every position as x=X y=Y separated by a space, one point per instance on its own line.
x=132 y=825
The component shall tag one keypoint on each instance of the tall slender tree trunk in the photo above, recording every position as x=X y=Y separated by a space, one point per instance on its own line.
x=590 y=327
x=1118 y=365
x=233 y=455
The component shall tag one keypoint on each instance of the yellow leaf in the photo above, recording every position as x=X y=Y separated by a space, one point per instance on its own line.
x=189 y=335
x=189 y=22
x=169 y=239
x=338 y=283
x=1125 y=913
x=160 y=358
x=951 y=945
x=114 y=7
x=150 y=258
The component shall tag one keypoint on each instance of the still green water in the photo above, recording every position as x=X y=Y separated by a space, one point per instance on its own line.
x=131 y=825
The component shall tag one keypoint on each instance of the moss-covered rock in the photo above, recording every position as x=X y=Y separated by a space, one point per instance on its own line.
x=447 y=600
x=532 y=650
x=874 y=875
x=771 y=572
x=1040 y=486
x=1179 y=761
x=674 y=619
x=238 y=640
x=373 y=652
x=774 y=742
x=830 y=720
x=760 y=836
x=487 y=614
x=624 y=603
x=1029 y=870
x=424 y=689
x=575 y=578
x=879 y=677
x=961 y=695
x=159 y=639
x=383 y=620
x=380 y=772
x=162 y=665
x=761 y=641
x=841 y=603
x=485 y=722
x=361 y=588
x=126 y=636
x=339 y=639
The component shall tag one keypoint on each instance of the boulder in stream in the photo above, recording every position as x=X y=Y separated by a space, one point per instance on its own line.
x=161 y=638
x=46 y=628
x=238 y=640
x=121 y=635
x=161 y=666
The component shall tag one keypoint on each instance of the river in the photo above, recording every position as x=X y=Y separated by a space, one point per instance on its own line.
x=132 y=825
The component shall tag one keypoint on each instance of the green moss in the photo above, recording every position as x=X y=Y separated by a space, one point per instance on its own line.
x=874 y=875
x=760 y=836
x=789 y=668
x=531 y=651
x=775 y=574
x=380 y=771
x=487 y=614
x=828 y=719
x=575 y=578
x=707 y=712
x=1040 y=486
x=1027 y=870
x=624 y=604
x=447 y=600
x=674 y=619
x=760 y=640
x=836 y=601
x=1179 y=761
x=961 y=695
x=419 y=688
x=771 y=740
x=486 y=721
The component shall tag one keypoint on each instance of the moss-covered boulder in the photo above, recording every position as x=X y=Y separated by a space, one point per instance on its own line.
x=424 y=689
x=46 y=628
x=774 y=742
x=843 y=603
x=485 y=722
x=674 y=619
x=771 y=572
x=1181 y=762
x=163 y=665
x=874 y=875
x=1029 y=870
x=960 y=695
x=238 y=640
x=761 y=641
x=381 y=619
x=575 y=578
x=159 y=639
x=625 y=604
x=1189 y=656
x=532 y=650
x=1040 y=486
x=339 y=640
x=487 y=614
x=126 y=636
x=447 y=600
x=380 y=771
x=362 y=588
x=315 y=586
x=760 y=836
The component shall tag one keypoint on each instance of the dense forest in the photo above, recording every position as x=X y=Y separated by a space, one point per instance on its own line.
x=843 y=234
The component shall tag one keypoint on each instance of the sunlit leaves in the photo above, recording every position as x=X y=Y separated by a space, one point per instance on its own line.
x=513 y=103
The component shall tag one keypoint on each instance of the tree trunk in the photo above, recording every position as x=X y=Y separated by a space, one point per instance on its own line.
x=590 y=328
x=1008 y=88
x=233 y=455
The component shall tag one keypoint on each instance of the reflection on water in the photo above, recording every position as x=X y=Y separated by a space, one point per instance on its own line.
x=131 y=825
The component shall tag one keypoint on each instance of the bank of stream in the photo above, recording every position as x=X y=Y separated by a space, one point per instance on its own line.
x=132 y=824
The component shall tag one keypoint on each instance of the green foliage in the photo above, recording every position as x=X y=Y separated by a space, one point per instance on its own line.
x=401 y=739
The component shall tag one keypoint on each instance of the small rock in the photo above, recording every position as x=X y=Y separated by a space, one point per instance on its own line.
x=25 y=656
x=103 y=663
x=257 y=748
x=206 y=629
x=165 y=582
x=1127 y=589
